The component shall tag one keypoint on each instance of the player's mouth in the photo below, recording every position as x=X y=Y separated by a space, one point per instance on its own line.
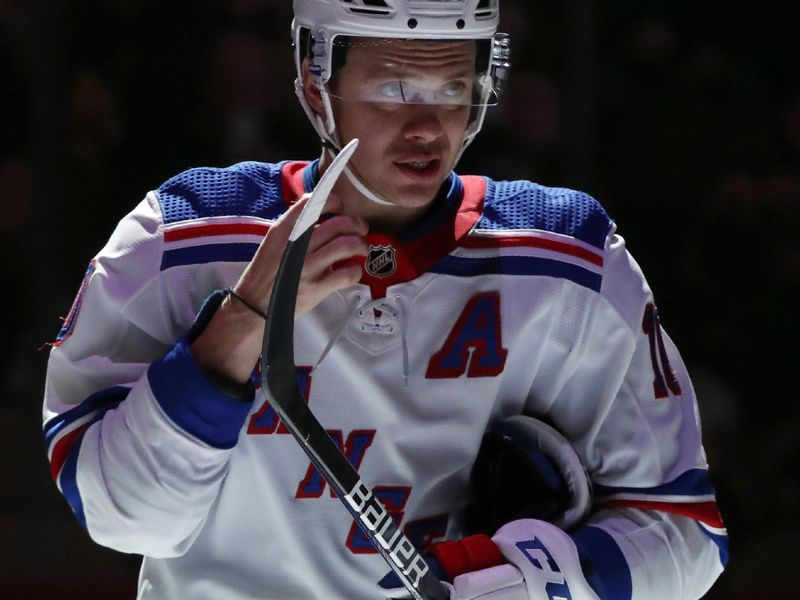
x=419 y=170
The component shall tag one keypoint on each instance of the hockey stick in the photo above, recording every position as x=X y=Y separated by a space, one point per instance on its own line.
x=278 y=370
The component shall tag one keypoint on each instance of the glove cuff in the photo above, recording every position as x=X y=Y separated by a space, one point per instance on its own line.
x=472 y=553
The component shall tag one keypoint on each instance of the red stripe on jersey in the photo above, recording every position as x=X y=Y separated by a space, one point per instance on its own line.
x=199 y=231
x=63 y=447
x=705 y=512
x=519 y=241
x=292 y=187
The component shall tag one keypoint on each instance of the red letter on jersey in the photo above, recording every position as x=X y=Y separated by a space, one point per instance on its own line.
x=265 y=420
x=313 y=485
x=664 y=380
x=394 y=499
x=475 y=344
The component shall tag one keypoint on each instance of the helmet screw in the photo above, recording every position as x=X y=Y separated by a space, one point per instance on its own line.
x=460 y=23
x=412 y=23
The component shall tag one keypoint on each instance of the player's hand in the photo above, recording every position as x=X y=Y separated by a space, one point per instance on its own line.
x=329 y=267
x=230 y=345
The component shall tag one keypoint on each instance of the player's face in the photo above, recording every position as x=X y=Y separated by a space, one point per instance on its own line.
x=407 y=102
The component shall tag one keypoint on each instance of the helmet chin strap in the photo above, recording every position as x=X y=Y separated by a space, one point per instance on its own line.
x=333 y=150
x=326 y=129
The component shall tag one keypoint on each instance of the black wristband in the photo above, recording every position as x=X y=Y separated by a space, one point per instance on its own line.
x=243 y=392
x=235 y=294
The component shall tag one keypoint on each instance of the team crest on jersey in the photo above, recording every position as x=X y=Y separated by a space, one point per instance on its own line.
x=381 y=261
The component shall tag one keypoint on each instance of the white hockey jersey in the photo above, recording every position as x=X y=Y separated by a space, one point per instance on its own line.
x=510 y=298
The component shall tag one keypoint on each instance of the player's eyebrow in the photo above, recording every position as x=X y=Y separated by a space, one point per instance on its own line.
x=460 y=72
x=379 y=72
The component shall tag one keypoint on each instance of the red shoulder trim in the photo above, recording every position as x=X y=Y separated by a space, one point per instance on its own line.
x=292 y=181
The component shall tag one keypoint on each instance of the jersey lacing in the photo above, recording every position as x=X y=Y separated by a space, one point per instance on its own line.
x=378 y=317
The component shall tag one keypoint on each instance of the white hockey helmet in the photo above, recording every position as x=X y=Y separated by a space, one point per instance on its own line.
x=318 y=24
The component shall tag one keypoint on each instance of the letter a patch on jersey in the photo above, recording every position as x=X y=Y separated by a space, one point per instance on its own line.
x=475 y=344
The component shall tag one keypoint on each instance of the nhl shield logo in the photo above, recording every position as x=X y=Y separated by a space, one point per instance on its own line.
x=381 y=261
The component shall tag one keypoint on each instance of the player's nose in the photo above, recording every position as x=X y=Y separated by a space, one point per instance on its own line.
x=423 y=125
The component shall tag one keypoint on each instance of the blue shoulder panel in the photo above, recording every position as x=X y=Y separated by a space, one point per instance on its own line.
x=247 y=188
x=527 y=205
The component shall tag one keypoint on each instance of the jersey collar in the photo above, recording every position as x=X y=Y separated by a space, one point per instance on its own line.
x=397 y=259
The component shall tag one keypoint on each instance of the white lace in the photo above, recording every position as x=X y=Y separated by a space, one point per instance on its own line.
x=378 y=317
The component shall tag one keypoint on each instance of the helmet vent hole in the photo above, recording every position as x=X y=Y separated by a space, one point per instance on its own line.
x=486 y=9
x=374 y=8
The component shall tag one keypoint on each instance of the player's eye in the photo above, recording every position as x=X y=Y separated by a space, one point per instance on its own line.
x=392 y=90
x=454 y=90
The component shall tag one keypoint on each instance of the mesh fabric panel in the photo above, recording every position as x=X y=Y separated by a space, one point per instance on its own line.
x=248 y=188
x=526 y=205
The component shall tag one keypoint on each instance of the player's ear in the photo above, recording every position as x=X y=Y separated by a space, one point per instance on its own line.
x=311 y=91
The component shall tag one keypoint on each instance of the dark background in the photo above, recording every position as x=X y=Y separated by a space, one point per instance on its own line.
x=682 y=117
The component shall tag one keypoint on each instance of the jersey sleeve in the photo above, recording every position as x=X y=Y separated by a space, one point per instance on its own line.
x=138 y=440
x=621 y=394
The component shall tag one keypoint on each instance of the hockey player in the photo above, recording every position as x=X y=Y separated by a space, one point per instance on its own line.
x=432 y=307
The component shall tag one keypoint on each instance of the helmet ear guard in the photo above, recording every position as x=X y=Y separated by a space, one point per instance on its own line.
x=526 y=469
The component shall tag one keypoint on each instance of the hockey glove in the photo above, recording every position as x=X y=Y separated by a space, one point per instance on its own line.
x=476 y=554
x=541 y=563
x=526 y=469
x=546 y=557
x=525 y=472
x=542 y=559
